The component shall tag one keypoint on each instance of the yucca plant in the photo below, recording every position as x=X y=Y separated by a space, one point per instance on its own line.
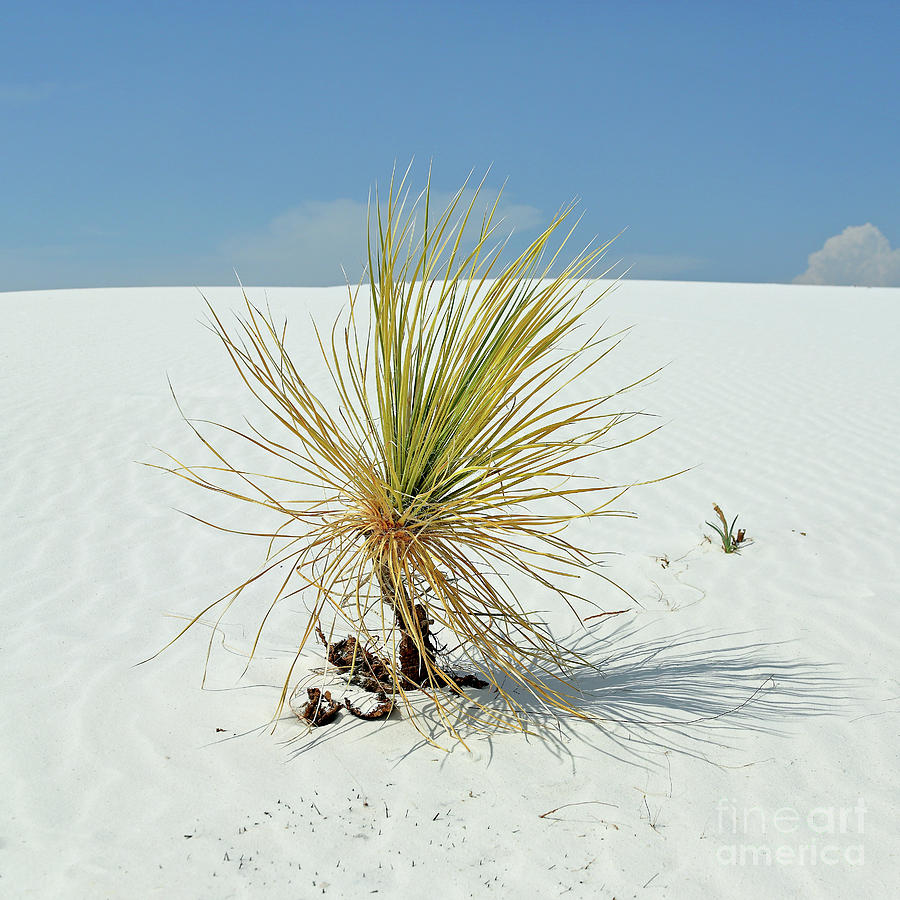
x=455 y=455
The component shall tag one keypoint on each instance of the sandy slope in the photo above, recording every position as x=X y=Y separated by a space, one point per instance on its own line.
x=132 y=782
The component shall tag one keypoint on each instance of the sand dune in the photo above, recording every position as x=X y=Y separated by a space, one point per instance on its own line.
x=125 y=781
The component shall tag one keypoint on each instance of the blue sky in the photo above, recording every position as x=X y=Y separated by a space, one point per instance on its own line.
x=164 y=143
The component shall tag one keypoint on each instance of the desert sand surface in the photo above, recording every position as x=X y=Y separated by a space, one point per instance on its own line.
x=747 y=706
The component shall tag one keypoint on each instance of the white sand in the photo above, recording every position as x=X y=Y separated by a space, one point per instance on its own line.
x=132 y=782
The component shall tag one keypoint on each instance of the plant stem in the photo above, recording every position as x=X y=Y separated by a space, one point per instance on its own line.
x=414 y=638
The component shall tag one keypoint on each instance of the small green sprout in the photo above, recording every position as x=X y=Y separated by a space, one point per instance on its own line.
x=731 y=542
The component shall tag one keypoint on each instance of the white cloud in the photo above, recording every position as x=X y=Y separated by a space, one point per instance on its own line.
x=651 y=266
x=860 y=254
x=305 y=245
x=509 y=216
x=310 y=243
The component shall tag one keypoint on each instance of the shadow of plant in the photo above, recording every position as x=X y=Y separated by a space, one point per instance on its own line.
x=691 y=693
x=701 y=676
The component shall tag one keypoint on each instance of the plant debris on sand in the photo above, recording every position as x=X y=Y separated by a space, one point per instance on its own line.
x=453 y=456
